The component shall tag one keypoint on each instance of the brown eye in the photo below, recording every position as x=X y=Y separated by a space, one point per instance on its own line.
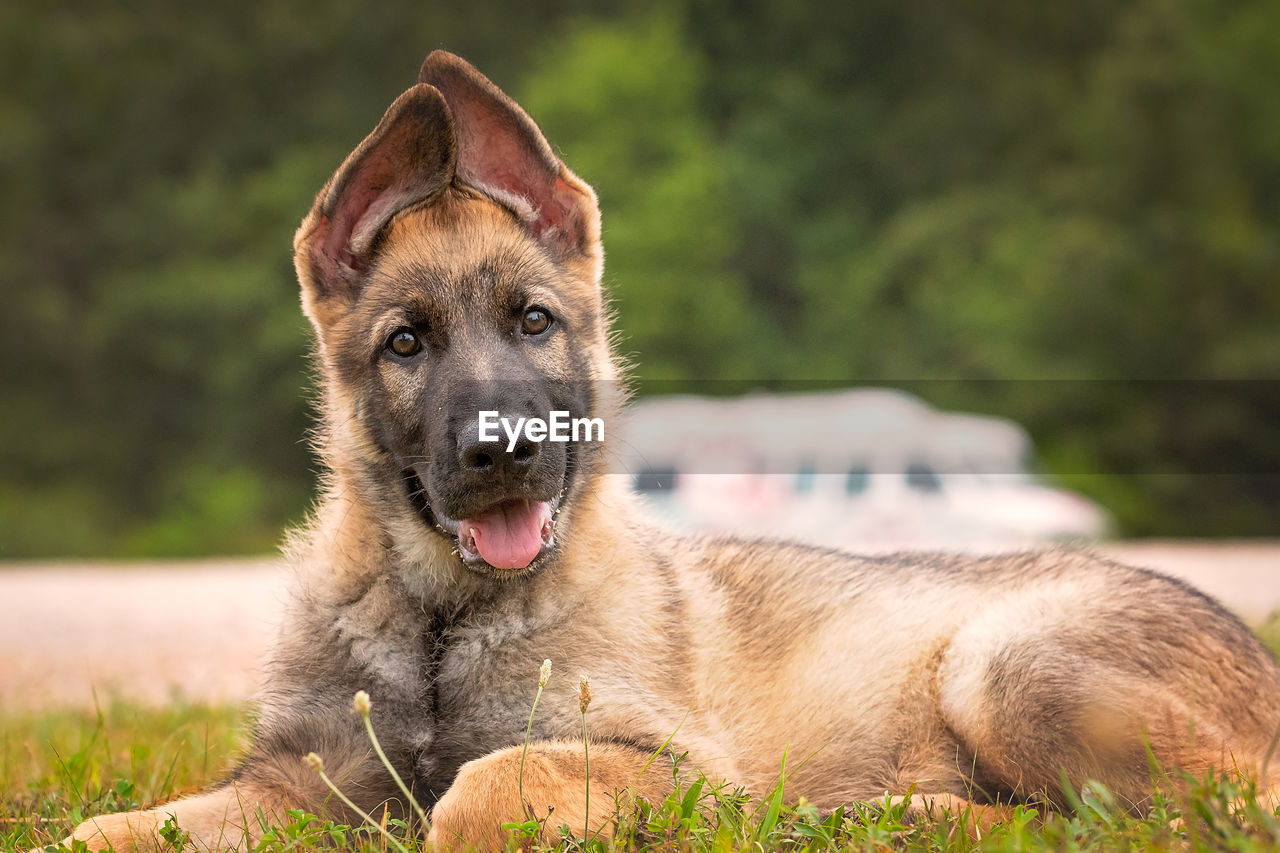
x=536 y=321
x=404 y=343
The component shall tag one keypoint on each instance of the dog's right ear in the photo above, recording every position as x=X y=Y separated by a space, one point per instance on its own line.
x=409 y=158
x=502 y=152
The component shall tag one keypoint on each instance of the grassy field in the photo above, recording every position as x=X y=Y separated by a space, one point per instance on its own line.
x=59 y=767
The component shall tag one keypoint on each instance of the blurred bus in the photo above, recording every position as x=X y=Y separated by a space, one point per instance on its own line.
x=863 y=469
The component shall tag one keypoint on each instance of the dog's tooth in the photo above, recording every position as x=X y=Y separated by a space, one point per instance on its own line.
x=467 y=543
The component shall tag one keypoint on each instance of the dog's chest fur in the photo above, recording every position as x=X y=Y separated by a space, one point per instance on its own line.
x=444 y=676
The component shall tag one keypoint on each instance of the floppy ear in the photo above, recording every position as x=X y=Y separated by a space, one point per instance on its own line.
x=410 y=157
x=502 y=152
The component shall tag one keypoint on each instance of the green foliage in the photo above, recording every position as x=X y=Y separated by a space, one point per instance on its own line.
x=663 y=187
x=1064 y=209
x=59 y=768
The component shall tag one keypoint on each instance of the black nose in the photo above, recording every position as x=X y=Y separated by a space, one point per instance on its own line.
x=492 y=457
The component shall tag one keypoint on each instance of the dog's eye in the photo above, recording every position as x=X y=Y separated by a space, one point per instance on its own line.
x=536 y=321
x=404 y=342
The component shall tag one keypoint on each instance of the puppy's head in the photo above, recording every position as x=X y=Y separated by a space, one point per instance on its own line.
x=451 y=268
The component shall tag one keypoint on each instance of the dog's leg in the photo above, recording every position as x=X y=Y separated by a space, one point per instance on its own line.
x=231 y=817
x=978 y=818
x=487 y=792
x=1039 y=704
x=274 y=778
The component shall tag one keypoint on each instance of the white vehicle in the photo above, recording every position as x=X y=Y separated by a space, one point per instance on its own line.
x=866 y=469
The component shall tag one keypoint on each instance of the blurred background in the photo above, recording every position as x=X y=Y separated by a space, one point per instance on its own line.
x=1064 y=217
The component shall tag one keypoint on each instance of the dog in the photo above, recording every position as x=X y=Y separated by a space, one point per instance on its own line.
x=452 y=266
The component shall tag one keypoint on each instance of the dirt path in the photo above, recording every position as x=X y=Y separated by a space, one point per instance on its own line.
x=146 y=631
x=201 y=630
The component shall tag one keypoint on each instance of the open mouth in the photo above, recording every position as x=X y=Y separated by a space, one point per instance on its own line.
x=509 y=535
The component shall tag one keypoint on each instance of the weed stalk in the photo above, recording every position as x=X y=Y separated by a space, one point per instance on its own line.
x=544 y=674
x=316 y=764
x=584 y=700
x=362 y=705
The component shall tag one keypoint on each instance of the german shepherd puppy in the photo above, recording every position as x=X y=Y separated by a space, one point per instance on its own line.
x=451 y=266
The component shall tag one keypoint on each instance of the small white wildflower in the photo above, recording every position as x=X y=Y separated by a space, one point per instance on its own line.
x=314 y=762
x=361 y=704
x=544 y=673
x=584 y=692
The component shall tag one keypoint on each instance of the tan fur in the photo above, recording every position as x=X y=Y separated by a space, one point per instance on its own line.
x=555 y=792
x=221 y=819
x=966 y=680
x=977 y=820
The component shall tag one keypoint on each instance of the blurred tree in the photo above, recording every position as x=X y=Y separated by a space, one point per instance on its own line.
x=1073 y=211
x=993 y=191
x=657 y=169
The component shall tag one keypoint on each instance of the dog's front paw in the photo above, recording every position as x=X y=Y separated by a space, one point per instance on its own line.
x=125 y=832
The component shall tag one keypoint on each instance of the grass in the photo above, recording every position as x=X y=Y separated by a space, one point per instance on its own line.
x=58 y=767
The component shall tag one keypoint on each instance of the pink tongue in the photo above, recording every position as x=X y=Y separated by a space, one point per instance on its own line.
x=509 y=536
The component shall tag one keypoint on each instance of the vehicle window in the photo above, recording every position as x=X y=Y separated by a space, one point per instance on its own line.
x=655 y=480
x=922 y=478
x=857 y=480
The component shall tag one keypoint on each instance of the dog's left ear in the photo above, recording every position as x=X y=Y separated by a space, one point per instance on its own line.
x=501 y=151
